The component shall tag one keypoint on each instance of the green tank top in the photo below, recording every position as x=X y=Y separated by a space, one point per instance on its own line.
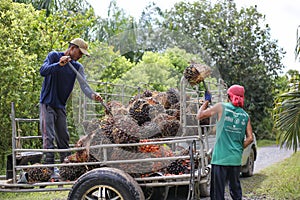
x=230 y=135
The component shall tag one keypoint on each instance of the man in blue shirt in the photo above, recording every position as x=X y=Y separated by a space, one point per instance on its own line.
x=59 y=80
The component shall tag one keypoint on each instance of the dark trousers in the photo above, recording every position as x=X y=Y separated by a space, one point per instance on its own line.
x=53 y=124
x=220 y=176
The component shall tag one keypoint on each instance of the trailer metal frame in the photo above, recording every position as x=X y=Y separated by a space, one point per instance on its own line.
x=198 y=144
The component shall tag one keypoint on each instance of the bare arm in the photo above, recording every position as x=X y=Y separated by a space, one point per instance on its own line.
x=249 y=134
x=205 y=113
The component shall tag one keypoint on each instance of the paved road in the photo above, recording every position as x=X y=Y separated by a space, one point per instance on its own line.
x=268 y=156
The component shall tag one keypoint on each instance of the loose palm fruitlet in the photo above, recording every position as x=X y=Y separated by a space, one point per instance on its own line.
x=195 y=73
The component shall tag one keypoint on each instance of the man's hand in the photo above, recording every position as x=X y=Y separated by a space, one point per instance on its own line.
x=64 y=60
x=97 y=97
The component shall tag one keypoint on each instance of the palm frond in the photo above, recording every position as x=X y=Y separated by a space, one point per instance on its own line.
x=287 y=119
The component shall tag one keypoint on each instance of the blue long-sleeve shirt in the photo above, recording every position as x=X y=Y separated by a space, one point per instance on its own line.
x=59 y=81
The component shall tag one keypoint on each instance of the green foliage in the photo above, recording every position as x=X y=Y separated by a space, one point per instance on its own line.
x=59 y=29
x=239 y=45
x=116 y=22
x=287 y=121
x=180 y=59
x=26 y=44
x=56 y=6
x=154 y=70
x=18 y=54
x=286 y=112
x=104 y=64
x=266 y=143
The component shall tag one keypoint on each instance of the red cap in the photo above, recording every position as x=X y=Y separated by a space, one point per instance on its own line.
x=236 y=93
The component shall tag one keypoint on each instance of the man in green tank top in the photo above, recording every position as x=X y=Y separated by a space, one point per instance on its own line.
x=232 y=127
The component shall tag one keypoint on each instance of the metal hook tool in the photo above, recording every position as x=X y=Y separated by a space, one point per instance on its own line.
x=81 y=79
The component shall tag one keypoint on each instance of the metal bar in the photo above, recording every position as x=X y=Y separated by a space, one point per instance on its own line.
x=108 y=146
x=104 y=162
x=28 y=137
x=13 y=138
x=174 y=183
x=18 y=189
x=26 y=120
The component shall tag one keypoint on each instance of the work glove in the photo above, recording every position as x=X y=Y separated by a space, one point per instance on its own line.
x=207 y=96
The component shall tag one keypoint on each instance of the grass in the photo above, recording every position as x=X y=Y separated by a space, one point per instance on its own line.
x=280 y=181
x=35 y=195
x=265 y=143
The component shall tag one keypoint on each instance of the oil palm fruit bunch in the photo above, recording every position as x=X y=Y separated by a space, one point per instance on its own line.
x=150 y=130
x=117 y=108
x=155 y=110
x=72 y=172
x=139 y=111
x=178 y=167
x=135 y=169
x=97 y=153
x=147 y=93
x=196 y=73
x=121 y=137
x=168 y=125
x=127 y=124
x=172 y=97
x=39 y=174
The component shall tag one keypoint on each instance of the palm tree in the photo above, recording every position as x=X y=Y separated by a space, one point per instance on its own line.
x=287 y=109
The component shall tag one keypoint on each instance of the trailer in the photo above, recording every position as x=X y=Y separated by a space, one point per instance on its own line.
x=119 y=173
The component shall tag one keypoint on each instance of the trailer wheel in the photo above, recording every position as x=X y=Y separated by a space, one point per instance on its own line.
x=205 y=187
x=106 y=183
x=155 y=193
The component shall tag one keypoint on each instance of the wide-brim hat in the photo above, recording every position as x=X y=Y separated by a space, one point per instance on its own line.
x=82 y=45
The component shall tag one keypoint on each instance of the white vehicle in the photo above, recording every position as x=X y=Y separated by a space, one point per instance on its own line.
x=249 y=156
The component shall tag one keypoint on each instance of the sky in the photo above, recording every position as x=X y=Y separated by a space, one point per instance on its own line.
x=283 y=16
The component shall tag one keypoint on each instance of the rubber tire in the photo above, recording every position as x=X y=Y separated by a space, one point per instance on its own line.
x=205 y=188
x=249 y=166
x=154 y=193
x=117 y=179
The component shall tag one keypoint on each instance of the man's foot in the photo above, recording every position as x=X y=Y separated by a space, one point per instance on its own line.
x=55 y=177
